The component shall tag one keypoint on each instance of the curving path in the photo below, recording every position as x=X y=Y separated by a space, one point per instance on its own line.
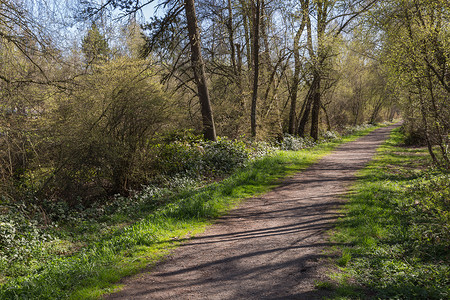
x=270 y=247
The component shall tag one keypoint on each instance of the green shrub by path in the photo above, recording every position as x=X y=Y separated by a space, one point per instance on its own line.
x=198 y=158
x=97 y=246
x=396 y=229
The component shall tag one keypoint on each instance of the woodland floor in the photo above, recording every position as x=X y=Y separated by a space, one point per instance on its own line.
x=270 y=247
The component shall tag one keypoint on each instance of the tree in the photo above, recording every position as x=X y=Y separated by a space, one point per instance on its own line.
x=332 y=17
x=416 y=45
x=209 y=129
x=95 y=46
x=297 y=67
x=256 y=17
x=25 y=53
x=197 y=64
x=99 y=134
x=134 y=39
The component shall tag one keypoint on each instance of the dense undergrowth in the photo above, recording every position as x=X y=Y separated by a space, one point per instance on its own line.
x=51 y=250
x=396 y=230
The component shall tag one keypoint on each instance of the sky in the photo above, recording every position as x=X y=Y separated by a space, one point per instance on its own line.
x=58 y=19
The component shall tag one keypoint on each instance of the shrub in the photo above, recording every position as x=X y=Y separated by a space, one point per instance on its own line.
x=329 y=136
x=197 y=158
x=260 y=149
x=225 y=155
x=348 y=130
x=414 y=136
x=294 y=143
x=98 y=136
x=177 y=157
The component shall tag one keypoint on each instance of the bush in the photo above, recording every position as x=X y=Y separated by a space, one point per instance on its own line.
x=98 y=137
x=260 y=149
x=414 y=136
x=294 y=143
x=197 y=158
x=224 y=156
x=329 y=136
x=177 y=157
x=348 y=130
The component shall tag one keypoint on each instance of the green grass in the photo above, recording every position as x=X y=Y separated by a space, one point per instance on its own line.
x=396 y=229
x=95 y=257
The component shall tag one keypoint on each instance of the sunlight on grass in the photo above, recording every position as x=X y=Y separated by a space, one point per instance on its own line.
x=396 y=228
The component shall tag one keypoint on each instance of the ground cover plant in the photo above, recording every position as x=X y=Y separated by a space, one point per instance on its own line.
x=396 y=230
x=54 y=251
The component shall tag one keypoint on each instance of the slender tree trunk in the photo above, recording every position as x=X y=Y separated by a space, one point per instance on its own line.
x=356 y=110
x=376 y=110
x=236 y=63
x=295 y=79
x=327 y=118
x=239 y=59
x=264 y=37
x=316 y=110
x=304 y=118
x=313 y=88
x=246 y=15
x=437 y=120
x=322 y=12
x=239 y=77
x=256 y=8
x=198 y=67
x=307 y=108
x=231 y=38
x=426 y=128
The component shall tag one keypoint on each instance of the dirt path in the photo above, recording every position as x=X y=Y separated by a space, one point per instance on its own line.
x=271 y=247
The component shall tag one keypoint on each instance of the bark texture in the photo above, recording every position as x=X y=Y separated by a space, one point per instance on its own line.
x=198 y=66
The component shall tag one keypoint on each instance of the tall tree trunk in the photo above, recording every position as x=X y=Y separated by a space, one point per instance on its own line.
x=316 y=110
x=236 y=64
x=198 y=67
x=312 y=89
x=246 y=16
x=266 y=61
x=440 y=134
x=239 y=77
x=296 y=78
x=256 y=8
x=231 y=38
x=327 y=117
x=322 y=11
x=426 y=128
x=307 y=109
x=376 y=110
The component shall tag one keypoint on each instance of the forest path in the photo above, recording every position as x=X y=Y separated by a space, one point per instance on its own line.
x=271 y=246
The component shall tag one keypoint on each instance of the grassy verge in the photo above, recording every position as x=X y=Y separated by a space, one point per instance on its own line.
x=396 y=232
x=109 y=255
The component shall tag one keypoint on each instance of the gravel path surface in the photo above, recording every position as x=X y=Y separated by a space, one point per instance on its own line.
x=270 y=247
